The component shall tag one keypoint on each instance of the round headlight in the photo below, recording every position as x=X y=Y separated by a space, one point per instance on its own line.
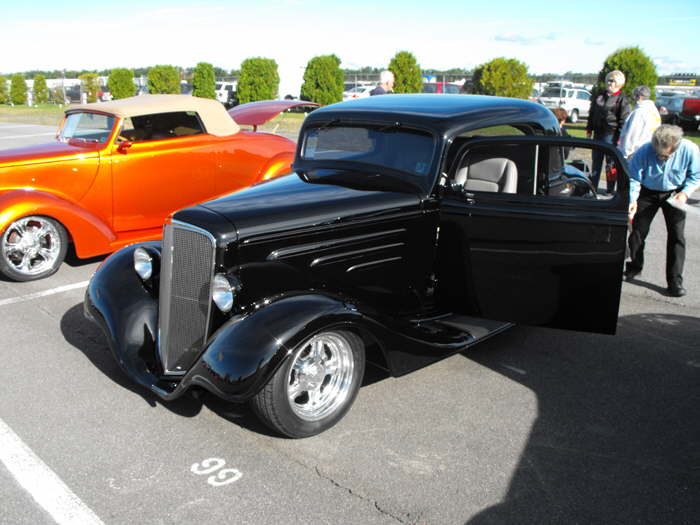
x=143 y=263
x=223 y=293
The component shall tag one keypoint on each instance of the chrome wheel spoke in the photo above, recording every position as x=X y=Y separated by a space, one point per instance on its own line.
x=41 y=231
x=46 y=253
x=317 y=350
x=24 y=265
x=314 y=397
x=294 y=390
x=331 y=366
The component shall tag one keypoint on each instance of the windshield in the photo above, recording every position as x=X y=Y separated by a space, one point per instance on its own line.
x=390 y=146
x=552 y=92
x=90 y=127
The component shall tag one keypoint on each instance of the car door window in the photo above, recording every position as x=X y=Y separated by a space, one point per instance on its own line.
x=533 y=170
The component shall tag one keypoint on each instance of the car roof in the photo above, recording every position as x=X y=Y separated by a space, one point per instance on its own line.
x=439 y=112
x=214 y=117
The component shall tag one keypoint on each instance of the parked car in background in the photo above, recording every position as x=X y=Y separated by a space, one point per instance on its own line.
x=689 y=116
x=347 y=86
x=226 y=93
x=116 y=169
x=669 y=104
x=412 y=228
x=576 y=102
x=359 y=92
x=441 y=87
x=104 y=95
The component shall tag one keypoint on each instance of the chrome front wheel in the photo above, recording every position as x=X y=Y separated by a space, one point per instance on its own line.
x=315 y=387
x=32 y=247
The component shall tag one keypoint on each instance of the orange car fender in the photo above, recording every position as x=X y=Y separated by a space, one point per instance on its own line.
x=280 y=164
x=90 y=235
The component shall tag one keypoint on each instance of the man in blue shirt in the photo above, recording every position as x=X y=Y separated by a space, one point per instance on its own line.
x=663 y=174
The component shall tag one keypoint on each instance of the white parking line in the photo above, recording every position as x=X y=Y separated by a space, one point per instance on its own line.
x=36 y=295
x=32 y=135
x=42 y=483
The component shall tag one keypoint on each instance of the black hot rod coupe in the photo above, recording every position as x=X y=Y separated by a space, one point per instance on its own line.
x=412 y=227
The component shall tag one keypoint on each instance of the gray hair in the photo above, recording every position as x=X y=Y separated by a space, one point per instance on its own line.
x=666 y=136
x=386 y=76
x=616 y=75
x=641 y=92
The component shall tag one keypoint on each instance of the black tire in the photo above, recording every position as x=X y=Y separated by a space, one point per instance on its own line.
x=300 y=417
x=37 y=256
x=573 y=117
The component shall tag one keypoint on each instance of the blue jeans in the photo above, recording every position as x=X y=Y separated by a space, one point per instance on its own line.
x=598 y=161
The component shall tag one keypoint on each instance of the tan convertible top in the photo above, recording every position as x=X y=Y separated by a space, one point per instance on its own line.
x=213 y=114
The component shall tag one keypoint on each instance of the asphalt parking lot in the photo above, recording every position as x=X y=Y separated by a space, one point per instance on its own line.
x=533 y=426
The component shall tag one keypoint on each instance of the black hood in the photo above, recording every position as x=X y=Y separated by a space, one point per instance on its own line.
x=290 y=202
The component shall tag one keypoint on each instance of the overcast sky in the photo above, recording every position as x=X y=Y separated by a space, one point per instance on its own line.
x=548 y=36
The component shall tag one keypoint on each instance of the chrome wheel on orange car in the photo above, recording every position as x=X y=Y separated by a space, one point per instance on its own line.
x=32 y=247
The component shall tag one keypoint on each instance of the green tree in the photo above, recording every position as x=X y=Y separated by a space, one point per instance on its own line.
x=323 y=80
x=407 y=76
x=120 y=83
x=4 y=93
x=504 y=77
x=203 y=81
x=18 y=89
x=259 y=80
x=89 y=83
x=163 y=79
x=638 y=68
x=41 y=92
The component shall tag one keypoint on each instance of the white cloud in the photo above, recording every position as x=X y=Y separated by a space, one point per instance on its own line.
x=525 y=40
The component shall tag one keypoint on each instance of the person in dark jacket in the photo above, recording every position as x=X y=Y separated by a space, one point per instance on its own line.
x=605 y=120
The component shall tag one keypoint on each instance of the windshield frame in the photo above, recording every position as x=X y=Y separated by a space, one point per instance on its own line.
x=66 y=125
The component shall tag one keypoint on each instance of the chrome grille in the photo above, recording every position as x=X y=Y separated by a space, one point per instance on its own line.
x=187 y=267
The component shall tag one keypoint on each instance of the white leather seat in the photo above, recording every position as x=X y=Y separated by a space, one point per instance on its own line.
x=494 y=174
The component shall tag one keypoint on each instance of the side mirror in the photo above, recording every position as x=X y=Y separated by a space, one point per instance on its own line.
x=124 y=145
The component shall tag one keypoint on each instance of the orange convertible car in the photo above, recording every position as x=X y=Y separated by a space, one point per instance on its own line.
x=118 y=168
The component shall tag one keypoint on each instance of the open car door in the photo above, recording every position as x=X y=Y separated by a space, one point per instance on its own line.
x=525 y=238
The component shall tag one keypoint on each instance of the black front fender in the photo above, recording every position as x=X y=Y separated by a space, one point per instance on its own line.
x=127 y=311
x=244 y=353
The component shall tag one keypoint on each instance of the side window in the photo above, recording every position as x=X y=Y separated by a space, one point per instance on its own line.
x=582 y=95
x=161 y=126
x=494 y=131
x=533 y=170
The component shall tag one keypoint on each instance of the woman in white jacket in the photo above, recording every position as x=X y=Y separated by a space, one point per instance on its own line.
x=641 y=123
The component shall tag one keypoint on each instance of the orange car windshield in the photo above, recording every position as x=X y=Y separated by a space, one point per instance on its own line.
x=90 y=127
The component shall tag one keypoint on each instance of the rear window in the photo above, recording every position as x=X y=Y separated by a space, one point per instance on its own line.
x=552 y=92
x=402 y=149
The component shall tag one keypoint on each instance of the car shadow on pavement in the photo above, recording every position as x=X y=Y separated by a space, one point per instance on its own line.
x=617 y=431
x=87 y=337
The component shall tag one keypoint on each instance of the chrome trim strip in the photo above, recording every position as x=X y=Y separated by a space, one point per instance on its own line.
x=339 y=256
x=164 y=313
x=372 y=263
x=330 y=243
